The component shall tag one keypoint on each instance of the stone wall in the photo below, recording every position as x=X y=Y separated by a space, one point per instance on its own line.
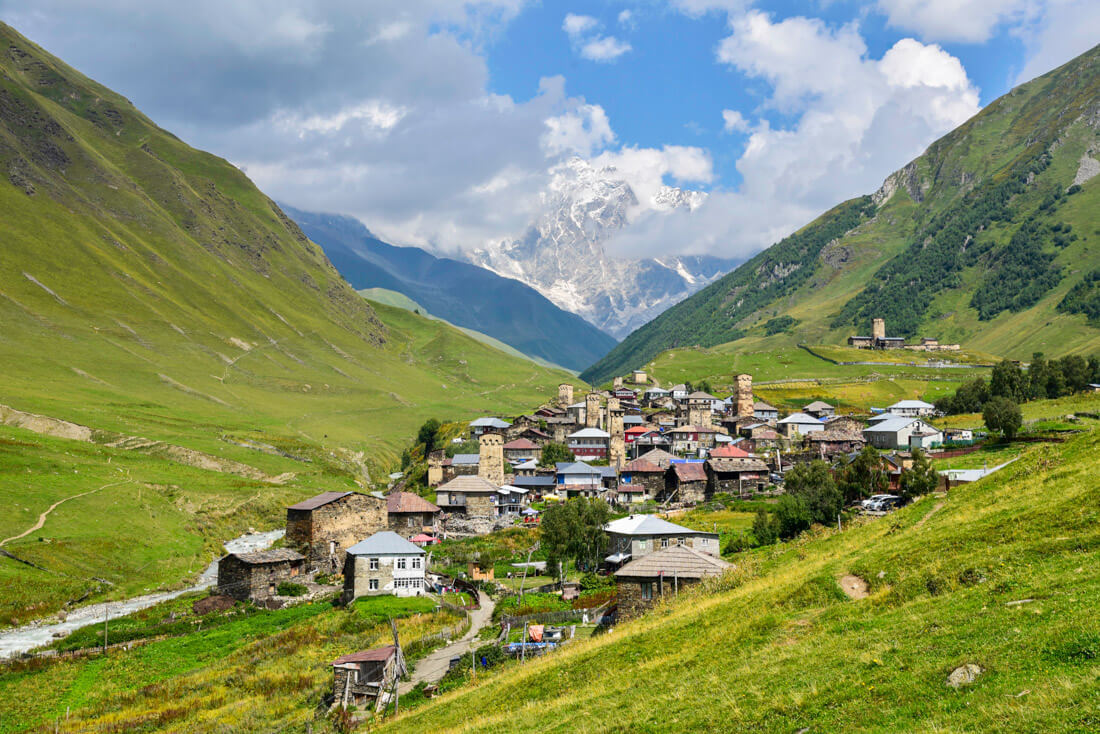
x=435 y=467
x=630 y=601
x=491 y=463
x=480 y=505
x=323 y=535
x=399 y=522
x=592 y=410
x=255 y=582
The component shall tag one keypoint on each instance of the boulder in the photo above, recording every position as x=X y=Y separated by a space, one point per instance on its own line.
x=964 y=675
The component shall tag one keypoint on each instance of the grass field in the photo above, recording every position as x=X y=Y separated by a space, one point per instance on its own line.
x=1002 y=573
x=264 y=672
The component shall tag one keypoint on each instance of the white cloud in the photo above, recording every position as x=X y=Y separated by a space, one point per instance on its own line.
x=646 y=169
x=579 y=131
x=626 y=19
x=855 y=120
x=604 y=48
x=696 y=8
x=734 y=121
x=375 y=114
x=577 y=25
x=971 y=21
x=1067 y=29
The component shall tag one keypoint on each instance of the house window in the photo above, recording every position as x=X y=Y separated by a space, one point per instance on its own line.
x=374 y=564
x=416 y=563
x=647 y=590
x=271 y=589
x=680 y=541
x=373 y=585
x=664 y=542
x=410 y=521
x=401 y=564
x=332 y=547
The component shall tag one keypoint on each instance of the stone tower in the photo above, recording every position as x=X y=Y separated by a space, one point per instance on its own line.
x=592 y=410
x=565 y=394
x=700 y=412
x=491 y=460
x=743 y=407
x=435 y=467
x=618 y=382
x=878 y=328
x=616 y=455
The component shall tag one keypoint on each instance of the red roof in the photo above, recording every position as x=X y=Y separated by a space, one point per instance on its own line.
x=729 y=452
x=642 y=466
x=422 y=538
x=640 y=429
x=520 y=443
x=690 y=472
x=408 y=502
x=378 y=654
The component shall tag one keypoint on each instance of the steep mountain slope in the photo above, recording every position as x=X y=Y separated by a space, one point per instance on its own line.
x=1001 y=574
x=562 y=254
x=208 y=360
x=979 y=241
x=465 y=295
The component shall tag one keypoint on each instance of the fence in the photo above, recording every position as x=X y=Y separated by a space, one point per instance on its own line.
x=566 y=615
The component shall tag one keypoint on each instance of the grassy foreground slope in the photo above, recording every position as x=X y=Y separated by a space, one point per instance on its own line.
x=151 y=293
x=988 y=239
x=1003 y=573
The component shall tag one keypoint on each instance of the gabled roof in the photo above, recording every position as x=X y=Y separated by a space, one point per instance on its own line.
x=738 y=465
x=694 y=429
x=319 y=501
x=386 y=542
x=885 y=417
x=729 y=452
x=761 y=405
x=638 y=430
x=648 y=525
x=529 y=464
x=534 y=481
x=678 y=388
x=375 y=655
x=675 y=562
x=910 y=404
x=641 y=466
x=408 y=502
x=575 y=467
x=659 y=457
x=633 y=419
x=800 y=419
x=277 y=555
x=892 y=425
x=520 y=443
x=469 y=484
x=700 y=395
x=489 y=423
x=590 y=433
x=818 y=405
x=466 y=459
x=695 y=472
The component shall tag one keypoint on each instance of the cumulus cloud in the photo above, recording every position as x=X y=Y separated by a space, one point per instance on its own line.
x=971 y=21
x=581 y=30
x=1067 y=29
x=855 y=120
x=581 y=131
x=734 y=121
x=626 y=19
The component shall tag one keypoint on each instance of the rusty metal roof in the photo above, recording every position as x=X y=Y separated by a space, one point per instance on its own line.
x=377 y=654
x=690 y=472
x=408 y=502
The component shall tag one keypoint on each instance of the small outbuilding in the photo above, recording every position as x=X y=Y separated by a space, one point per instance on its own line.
x=643 y=582
x=256 y=576
x=686 y=482
x=363 y=678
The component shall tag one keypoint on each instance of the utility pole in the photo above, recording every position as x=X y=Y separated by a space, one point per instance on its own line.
x=525 y=567
x=523 y=649
x=106 y=614
x=398 y=666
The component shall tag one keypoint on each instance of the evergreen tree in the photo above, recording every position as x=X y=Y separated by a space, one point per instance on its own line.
x=792 y=516
x=428 y=435
x=813 y=483
x=763 y=528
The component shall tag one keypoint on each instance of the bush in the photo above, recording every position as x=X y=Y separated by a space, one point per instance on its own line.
x=763 y=528
x=1001 y=414
x=289 y=588
x=792 y=516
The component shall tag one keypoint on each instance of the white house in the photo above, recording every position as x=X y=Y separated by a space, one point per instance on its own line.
x=679 y=392
x=384 y=563
x=799 y=424
x=912 y=408
x=896 y=433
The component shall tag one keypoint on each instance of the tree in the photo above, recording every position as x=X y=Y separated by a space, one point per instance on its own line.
x=813 y=483
x=792 y=516
x=574 y=531
x=1038 y=375
x=705 y=386
x=1008 y=381
x=763 y=528
x=428 y=435
x=552 y=453
x=863 y=477
x=1001 y=414
x=919 y=479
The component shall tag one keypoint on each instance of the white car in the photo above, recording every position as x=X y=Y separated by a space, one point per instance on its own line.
x=873 y=500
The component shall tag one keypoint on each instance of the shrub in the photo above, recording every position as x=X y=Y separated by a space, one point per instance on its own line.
x=289 y=588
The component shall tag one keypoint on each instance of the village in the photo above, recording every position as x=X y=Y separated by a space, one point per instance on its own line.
x=649 y=454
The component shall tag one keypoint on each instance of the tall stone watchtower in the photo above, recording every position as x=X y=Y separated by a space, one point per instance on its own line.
x=491 y=458
x=435 y=467
x=618 y=382
x=616 y=455
x=592 y=410
x=565 y=394
x=742 y=402
x=878 y=329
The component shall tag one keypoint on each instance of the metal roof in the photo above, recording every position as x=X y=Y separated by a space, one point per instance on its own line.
x=408 y=502
x=674 y=562
x=892 y=425
x=520 y=443
x=729 y=452
x=385 y=543
x=575 y=467
x=648 y=525
x=466 y=459
x=468 y=484
x=911 y=404
x=641 y=466
x=277 y=555
x=800 y=419
x=818 y=405
x=590 y=433
x=690 y=472
x=489 y=423
x=319 y=501
x=378 y=654
x=532 y=481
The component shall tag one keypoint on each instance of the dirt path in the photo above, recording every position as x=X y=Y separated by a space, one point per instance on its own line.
x=434 y=666
x=938 y=506
x=854 y=586
x=42 y=518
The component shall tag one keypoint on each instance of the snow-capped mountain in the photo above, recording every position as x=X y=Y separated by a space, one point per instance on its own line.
x=562 y=254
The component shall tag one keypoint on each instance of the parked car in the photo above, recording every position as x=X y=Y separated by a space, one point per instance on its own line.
x=873 y=499
x=776 y=478
x=884 y=503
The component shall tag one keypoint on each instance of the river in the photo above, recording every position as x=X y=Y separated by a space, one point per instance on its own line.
x=23 y=639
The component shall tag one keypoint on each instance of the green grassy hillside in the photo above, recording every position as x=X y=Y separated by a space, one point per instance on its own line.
x=988 y=239
x=1003 y=574
x=152 y=295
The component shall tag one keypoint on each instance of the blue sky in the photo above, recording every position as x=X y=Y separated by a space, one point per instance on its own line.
x=450 y=124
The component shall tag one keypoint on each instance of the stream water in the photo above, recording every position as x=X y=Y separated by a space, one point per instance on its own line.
x=22 y=639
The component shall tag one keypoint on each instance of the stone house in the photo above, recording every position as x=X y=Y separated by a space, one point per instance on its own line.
x=687 y=440
x=638 y=377
x=484 y=425
x=844 y=423
x=764 y=412
x=461 y=465
x=819 y=409
x=736 y=476
x=362 y=678
x=590 y=443
x=799 y=424
x=641 y=480
x=410 y=514
x=685 y=482
x=471 y=496
x=637 y=535
x=835 y=441
x=643 y=582
x=521 y=449
x=384 y=563
x=256 y=576
x=322 y=527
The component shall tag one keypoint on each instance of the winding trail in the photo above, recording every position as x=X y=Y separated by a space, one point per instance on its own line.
x=435 y=664
x=42 y=518
x=936 y=508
